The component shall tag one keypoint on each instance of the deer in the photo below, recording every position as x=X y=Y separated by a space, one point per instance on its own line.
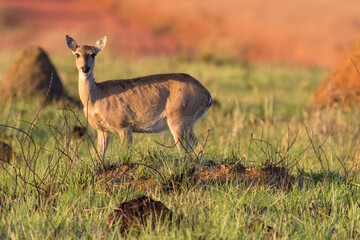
x=148 y=104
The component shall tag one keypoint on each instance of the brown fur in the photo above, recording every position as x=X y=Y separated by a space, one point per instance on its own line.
x=143 y=105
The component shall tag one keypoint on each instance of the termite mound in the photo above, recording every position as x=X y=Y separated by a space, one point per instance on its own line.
x=342 y=86
x=32 y=74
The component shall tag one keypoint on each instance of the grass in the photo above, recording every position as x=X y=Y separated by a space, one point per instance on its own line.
x=52 y=187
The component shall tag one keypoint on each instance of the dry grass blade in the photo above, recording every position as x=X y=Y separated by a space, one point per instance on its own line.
x=355 y=66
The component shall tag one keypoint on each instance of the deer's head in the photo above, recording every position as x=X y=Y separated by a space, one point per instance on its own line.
x=85 y=55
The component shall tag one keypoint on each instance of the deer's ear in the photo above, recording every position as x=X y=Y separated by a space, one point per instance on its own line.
x=100 y=44
x=71 y=43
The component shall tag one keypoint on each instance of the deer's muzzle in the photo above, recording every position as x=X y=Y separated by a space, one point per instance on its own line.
x=85 y=69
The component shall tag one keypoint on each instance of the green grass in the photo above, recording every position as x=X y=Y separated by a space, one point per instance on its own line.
x=50 y=190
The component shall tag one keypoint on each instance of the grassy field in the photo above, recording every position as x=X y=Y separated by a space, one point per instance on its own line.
x=55 y=187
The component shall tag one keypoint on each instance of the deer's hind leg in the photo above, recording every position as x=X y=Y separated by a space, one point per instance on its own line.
x=125 y=135
x=183 y=134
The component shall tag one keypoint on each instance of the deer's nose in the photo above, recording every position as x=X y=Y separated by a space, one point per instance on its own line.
x=85 y=69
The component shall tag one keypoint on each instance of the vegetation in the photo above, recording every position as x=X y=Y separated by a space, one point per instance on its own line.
x=56 y=187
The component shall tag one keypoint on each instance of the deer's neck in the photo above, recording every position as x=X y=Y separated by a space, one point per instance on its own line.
x=87 y=89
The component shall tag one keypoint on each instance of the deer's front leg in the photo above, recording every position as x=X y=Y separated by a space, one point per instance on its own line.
x=103 y=142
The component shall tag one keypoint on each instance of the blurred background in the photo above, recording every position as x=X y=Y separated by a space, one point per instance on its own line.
x=306 y=32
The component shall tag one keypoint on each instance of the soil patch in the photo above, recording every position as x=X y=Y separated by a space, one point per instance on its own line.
x=139 y=212
x=271 y=176
x=77 y=131
x=126 y=175
x=5 y=152
x=256 y=223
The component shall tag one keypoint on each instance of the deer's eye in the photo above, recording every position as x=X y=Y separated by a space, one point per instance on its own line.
x=77 y=55
x=92 y=54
